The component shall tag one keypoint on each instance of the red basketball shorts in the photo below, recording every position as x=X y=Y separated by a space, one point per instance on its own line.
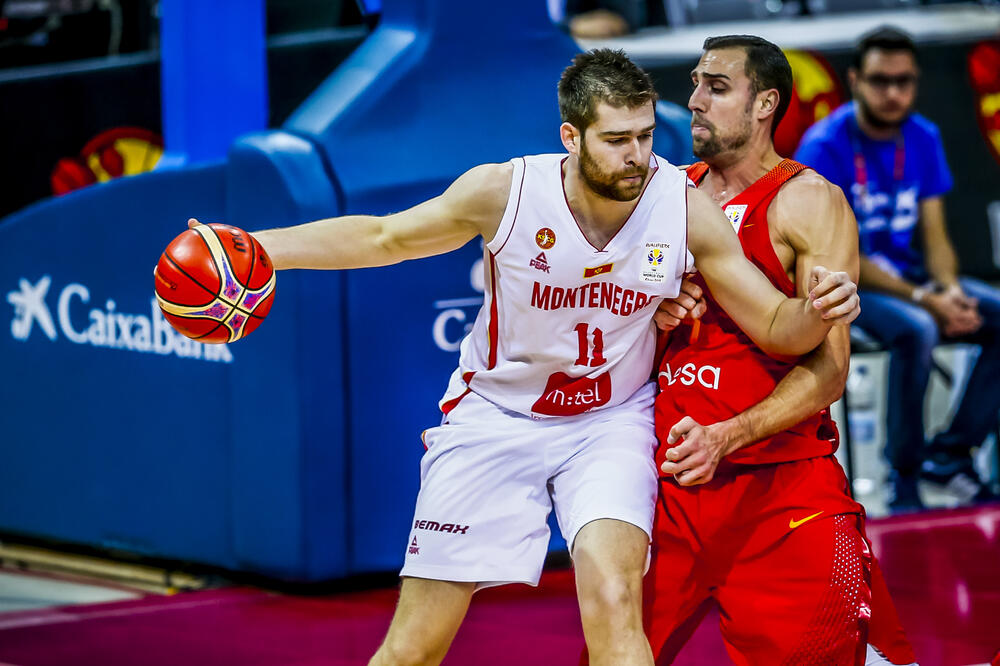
x=781 y=549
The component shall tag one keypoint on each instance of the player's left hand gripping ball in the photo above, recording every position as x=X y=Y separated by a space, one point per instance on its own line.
x=214 y=283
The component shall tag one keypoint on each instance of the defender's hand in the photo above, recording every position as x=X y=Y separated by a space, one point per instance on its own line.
x=835 y=295
x=690 y=302
x=694 y=460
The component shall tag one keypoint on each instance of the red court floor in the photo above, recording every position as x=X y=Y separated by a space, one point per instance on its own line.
x=943 y=568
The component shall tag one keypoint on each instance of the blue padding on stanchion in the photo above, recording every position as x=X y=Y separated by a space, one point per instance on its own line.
x=213 y=75
x=276 y=178
x=289 y=483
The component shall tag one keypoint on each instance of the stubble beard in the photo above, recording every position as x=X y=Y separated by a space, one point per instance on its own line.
x=608 y=185
x=716 y=145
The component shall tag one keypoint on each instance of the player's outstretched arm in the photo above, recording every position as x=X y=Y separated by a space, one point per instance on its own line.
x=775 y=324
x=473 y=205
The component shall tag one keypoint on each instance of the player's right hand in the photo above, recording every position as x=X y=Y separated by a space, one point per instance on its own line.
x=835 y=295
x=690 y=302
x=694 y=459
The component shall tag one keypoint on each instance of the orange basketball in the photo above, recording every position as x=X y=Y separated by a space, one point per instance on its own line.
x=214 y=283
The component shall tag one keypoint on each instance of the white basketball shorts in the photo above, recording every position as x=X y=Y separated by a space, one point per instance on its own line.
x=490 y=477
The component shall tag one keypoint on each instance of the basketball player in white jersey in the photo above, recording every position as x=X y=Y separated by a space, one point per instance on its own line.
x=551 y=404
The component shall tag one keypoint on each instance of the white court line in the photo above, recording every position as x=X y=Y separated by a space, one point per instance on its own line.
x=64 y=617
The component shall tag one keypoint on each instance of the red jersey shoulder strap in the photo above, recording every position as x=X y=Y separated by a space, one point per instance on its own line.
x=696 y=172
x=763 y=187
x=754 y=231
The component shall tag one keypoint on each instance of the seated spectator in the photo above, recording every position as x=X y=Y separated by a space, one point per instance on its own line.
x=890 y=163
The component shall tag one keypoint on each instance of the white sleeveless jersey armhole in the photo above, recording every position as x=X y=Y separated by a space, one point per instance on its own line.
x=510 y=212
x=688 y=266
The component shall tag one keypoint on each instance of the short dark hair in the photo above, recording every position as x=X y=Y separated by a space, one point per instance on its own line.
x=884 y=38
x=601 y=75
x=766 y=67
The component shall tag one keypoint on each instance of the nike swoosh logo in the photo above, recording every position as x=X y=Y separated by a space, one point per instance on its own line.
x=792 y=524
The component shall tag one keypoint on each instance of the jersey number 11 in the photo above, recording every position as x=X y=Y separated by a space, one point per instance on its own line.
x=592 y=358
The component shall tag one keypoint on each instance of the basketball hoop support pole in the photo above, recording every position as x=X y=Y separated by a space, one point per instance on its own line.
x=213 y=72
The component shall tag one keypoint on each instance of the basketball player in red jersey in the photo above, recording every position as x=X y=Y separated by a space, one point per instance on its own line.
x=754 y=511
x=551 y=406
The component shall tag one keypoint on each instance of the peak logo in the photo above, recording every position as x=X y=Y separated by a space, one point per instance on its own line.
x=106 y=327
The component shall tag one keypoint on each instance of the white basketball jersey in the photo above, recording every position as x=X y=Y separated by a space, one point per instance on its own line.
x=566 y=327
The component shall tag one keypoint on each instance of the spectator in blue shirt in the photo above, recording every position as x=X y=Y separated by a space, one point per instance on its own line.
x=891 y=165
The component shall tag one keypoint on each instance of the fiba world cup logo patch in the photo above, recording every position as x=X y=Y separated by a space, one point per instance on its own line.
x=545 y=238
x=735 y=214
x=654 y=270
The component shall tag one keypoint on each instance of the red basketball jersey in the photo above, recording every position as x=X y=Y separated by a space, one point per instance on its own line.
x=720 y=372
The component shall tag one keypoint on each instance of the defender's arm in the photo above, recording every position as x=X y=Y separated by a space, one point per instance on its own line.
x=776 y=324
x=811 y=218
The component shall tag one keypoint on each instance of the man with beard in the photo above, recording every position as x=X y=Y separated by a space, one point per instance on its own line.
x=551 y=405
x=890 y=162
x=755 y=513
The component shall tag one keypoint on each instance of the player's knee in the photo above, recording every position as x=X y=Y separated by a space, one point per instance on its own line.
x=406 y=651
x=614 y=597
